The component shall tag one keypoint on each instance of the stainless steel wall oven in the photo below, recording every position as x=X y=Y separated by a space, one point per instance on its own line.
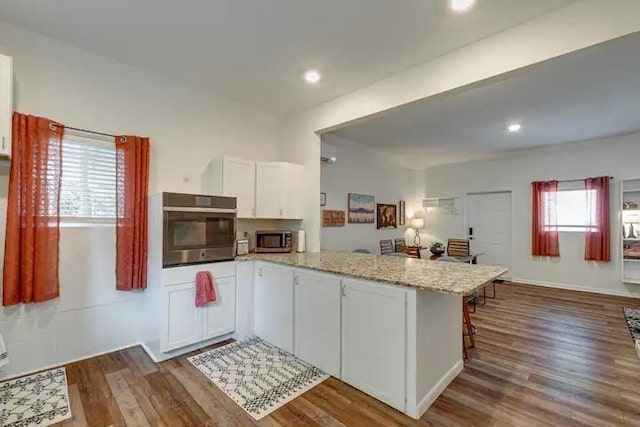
x=197 y=229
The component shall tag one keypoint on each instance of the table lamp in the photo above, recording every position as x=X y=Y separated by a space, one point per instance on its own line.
x=417 y=223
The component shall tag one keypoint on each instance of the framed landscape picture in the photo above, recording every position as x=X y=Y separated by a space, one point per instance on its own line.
x=361 y=209
x=386 y=216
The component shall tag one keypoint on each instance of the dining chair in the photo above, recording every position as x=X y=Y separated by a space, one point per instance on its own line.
x=459 y=248
x=401 y=245
x=386 y=246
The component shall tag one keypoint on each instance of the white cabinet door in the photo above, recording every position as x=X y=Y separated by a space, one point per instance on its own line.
x=274 y=305
x=239 y=180
x=6 y=104
x=182 y=317
x=373 y=340
x=294 y=204
x=271 y=182
x=219 y=317
x=317 y=320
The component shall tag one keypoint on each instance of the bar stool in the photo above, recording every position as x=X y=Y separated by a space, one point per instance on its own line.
x=468 y=330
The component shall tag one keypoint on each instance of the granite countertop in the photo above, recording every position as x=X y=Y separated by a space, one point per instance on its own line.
x=445 y=277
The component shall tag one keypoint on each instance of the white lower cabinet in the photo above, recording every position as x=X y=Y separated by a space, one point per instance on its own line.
x=183 y=324
x=274 y=305
x=317 y=320
x=219 y=317
x=374 y=340
x=352 y=329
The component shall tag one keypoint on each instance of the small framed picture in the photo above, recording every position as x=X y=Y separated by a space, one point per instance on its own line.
x=323 y=199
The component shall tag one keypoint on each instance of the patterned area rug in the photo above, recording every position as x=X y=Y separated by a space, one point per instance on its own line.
x=37 y=400
x=632 y=315
x=257 y=375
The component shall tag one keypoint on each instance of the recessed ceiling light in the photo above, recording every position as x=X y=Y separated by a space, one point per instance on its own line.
x=461 y=5
x=312 y=76
x=514 y=127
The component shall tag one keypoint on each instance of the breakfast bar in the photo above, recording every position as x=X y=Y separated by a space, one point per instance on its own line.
x=389 y=326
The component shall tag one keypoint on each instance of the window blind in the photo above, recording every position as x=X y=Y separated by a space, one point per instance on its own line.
x=88 y=188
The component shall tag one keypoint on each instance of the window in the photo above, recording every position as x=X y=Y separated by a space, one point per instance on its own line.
x=88 y=187
x=571 y=210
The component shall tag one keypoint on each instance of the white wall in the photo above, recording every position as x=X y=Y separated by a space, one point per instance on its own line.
x=359 y=169
x=617 y=157
x=186 y=129
x=576 y=26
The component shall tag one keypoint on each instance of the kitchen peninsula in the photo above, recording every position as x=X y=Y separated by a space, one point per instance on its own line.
x=388 y=326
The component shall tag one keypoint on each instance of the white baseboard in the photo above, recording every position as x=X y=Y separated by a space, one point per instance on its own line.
x=437 y=389
x=158 y=357
x=601 y=291
x=147 y=349
x=63 y=363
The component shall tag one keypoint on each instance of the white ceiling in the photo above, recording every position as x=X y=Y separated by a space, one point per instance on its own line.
x=588 y=94
x=254 y=51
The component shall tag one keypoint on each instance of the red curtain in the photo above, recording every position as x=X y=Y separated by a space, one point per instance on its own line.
x=33 y=210
x=132 y=184
x=544 y=236
x=598 y=235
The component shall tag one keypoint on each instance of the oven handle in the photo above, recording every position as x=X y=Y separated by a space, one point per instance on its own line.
x=209 y=210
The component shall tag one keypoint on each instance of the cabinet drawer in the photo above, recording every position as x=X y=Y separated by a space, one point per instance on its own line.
x=177 y=275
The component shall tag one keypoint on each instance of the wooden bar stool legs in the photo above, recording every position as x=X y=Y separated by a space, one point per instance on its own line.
x=468 y=330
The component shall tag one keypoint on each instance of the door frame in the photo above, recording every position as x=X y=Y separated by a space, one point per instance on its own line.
x=508 y=274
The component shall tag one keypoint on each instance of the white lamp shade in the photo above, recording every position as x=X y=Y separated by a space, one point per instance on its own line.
x=417 y=223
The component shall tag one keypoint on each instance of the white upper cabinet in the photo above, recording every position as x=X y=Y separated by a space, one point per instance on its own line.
x=271 y=189
x=293 y=206
x=6 y=104
x=228 y=176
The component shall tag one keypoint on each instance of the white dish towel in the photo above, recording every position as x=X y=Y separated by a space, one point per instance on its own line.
x=4 y=356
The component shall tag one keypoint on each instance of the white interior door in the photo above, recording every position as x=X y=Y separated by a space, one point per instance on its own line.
x=489 y=227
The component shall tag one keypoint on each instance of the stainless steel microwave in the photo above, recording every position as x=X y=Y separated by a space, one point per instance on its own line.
x=197 y=229
x=274 y=241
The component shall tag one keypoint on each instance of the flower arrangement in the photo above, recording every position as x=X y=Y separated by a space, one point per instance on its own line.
x=437 y=248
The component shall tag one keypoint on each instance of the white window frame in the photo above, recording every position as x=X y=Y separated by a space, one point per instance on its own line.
x=579 y=226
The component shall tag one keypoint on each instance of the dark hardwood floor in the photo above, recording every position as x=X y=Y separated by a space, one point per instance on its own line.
x=543 y=357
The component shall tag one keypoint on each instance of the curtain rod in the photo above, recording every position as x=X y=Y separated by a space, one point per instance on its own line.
x=122 y=138
x=91 y=131
x=575 y=180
